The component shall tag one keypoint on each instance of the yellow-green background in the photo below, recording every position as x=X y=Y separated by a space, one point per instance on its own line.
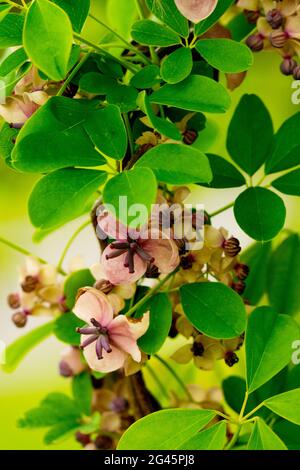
x=37 y=375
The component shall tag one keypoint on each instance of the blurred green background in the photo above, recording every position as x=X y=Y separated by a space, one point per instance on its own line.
x=37 y=375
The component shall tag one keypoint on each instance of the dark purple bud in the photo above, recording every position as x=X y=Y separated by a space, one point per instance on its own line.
x=119 y=404
x=64 y=369
x=242 y=271
x=104 y=442
x=197 y=349
x=13 y=300
x=29 y=284
x=232 y=247
x=296 y=72
x=278 y=39
x=288 y=66
x=190 y=136
x=186 y=262
x=231 y=359
x=255 y=42
x=84 y=439
x=252 y=16
x=239 y=287
x=274 y=18
x=19 y=319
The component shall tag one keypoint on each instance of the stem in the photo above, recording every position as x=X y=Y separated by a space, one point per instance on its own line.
x=72 y=74
x=253 y=411
x=139 y=9
x=25 y=252
x=158 y=381
x=127 y=43
x=129 y=133
x=223 y=209
x=239 y=425
x=103 y=51
x=16 y=5
x=176 y=377
x=149 y=294
x=66 y=249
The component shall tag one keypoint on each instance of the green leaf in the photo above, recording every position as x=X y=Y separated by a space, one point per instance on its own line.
x=269 y=337
x=177 y=164
x=139 y=186
x=11 y=30
x=60 y=431
x=234 y=389
x=96 y=83
x=163 y=126
x=147 y=77
x=288 y=433
x=168 y=13
x=93 y=424
x=250 y=134
x=8 y=136
x=54 y=409
x=62 y=196
x=225 y=55
x=124 y=97
x=13 y=61
x=153 y=34
x=82 y=392
x=76 y=280
x=77 y=11
x=59 y=123
x=153 y=431
x=65 y=329
x=225 y=175
x=17 y=350
x=289 y=183
x=256 y=257
x=219 y=11
x=195 y=93
x=177 y=66
x=107 y=131
x=4 y=10
x=160 y=323
x=260 y=213
x=286 y=151
x=286 y=405
x=48 y=38
x=214 y=309
x=213 y=438
x=284 y=276
x=240 y=27
x=263 y=438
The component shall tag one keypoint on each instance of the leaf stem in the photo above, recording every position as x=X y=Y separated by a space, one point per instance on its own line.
x=16 y=5
x=129 y=133
x=157 y=380
x=240 y=423
x=175 y=375
x=100 y=49
x=72 y=74
x=139 y=9
x=149 y=294
x=68 y=245
x=223 y=209
x=127 y=43
x=25 y=252
x=253 y=411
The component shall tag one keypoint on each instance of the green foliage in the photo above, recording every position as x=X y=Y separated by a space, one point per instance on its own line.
x=263 y=438
x=77 y=11
x=214 y=309
x=225 y=175
x=147 y=77
x=96 y=83
x=144 y=435
x=76 y=280
x=269 y=337
x=225 y=55
x=82 y=392
x=206 y=24
x=166 y=11
x=285 y=405
x=62 y=196
x=17 y=350
x=48 y=38
x=164 y=126
x=11 y=29
x=153 y=34
x=256 y=257
x=177 y=164
x=65 y=328
x=289 y=183
x=195 y=93
x=213 y=438
x=177 y=66
x=123 y=96
x=260 y=213
x=13 y=61
x=250 y=134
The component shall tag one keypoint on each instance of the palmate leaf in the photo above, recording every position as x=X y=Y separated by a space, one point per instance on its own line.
x=263 y=438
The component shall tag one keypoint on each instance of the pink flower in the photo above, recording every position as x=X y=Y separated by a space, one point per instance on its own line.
x=107 y=341
x=127 y=259
x=196 y=10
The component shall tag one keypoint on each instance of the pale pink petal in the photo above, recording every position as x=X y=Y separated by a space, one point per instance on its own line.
x=288 y=7
x=110 y=361
x=164 y=251
x=94 y=304
x=139 y=326
x=108 y=224
x=252 y=5
x=97 y=271
x=120 y=335
x=196 y=10
x=117 y=273
x=37 y=97
x=12 y=112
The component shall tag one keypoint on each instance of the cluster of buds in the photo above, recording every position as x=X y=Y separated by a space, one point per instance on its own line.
x=40 y=293
x=278 y=28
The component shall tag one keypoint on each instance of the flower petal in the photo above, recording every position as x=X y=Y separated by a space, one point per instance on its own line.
x=196 y=10
x=117 y=273
x=109 y=225
x=139 y=326
x=292 y=26
x=111 y=361
x=165 y=253
x=94 y=304
x=121 y=336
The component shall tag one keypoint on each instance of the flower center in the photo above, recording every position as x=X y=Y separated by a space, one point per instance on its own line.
x=131 y=248
x=96 y=334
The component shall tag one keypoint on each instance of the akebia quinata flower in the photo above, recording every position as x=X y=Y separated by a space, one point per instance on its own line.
x=107 y=341
x=196 y=10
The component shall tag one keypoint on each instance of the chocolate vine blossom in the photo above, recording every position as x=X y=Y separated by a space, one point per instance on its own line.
x=107 y=341
x=196 y=10
x=127 y=259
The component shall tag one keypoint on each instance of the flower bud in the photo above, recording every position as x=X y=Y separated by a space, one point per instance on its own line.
x=104 y=442
x=19 y=319
x=296 y=72
x=84 y=439
x=13 y=300
x=190 y=136
x=242 y=271
x=71 y=363
x=104 y=286
x=252 y=16
x=29 y=284
x=255 y=42
x=231 y=359
x=278 y=39
x=232 y=247
x=181 y=194
x=239 y=287
x=274 y=18
x=288 y=66
x=198 y=349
